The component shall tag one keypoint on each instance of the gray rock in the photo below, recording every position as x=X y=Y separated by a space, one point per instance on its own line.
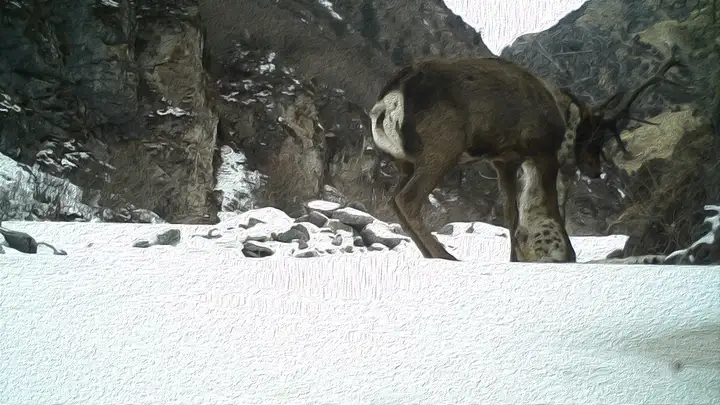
x=307 y=253
x=303 y=244
x=337 y=240
x=347 y=249
x=302 y=218
x=353 y=217
x=294 y=233
x=380 y=232
x=142 y=243
x=257 y=249
x=335 y=226
x=20 y=241
x=170 y=237
x=358 y=241
x=318 y=219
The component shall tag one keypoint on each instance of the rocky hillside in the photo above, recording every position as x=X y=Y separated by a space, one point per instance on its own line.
x=610 y=46
x=185 y=108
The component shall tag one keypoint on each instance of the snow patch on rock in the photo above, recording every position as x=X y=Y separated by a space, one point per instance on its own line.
x=237 y=183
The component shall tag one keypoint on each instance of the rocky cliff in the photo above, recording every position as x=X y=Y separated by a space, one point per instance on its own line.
x=185 y=108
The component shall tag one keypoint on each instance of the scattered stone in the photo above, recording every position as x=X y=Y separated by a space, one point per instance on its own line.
x=141 y=244
x=337 y=240
x=377 y=247
x=295 y=232
x=20 y=241
x=303 y=245
x=318 y=219
x=380 y=232
x=307 y=253
x=257 y=249
x=170 y=237
x=353 y=217
x=2 y=251
x=331 y=251
x=347 y=249
x=358 y=241
x=322 y=206
x=335 y=225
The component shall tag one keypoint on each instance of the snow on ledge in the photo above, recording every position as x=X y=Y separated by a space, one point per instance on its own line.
x=214 y=328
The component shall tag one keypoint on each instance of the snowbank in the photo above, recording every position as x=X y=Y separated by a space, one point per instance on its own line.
x=215 y=328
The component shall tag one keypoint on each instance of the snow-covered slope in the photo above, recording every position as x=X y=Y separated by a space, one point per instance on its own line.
x=215 y=328
x=469 y=241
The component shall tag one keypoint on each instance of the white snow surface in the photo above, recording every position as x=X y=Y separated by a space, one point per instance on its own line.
x=110 y=324
x=485 y=244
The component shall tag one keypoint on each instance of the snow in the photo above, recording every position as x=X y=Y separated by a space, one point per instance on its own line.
x=237 y=183
x=158 y=326
x=329 y=6
x=6 y=103
x=170 y=110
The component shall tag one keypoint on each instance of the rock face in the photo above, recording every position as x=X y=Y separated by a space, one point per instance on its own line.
x=181 y=110
x=114 y=102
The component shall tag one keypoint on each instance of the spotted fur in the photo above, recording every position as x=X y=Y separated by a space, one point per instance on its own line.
x=540 y=236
